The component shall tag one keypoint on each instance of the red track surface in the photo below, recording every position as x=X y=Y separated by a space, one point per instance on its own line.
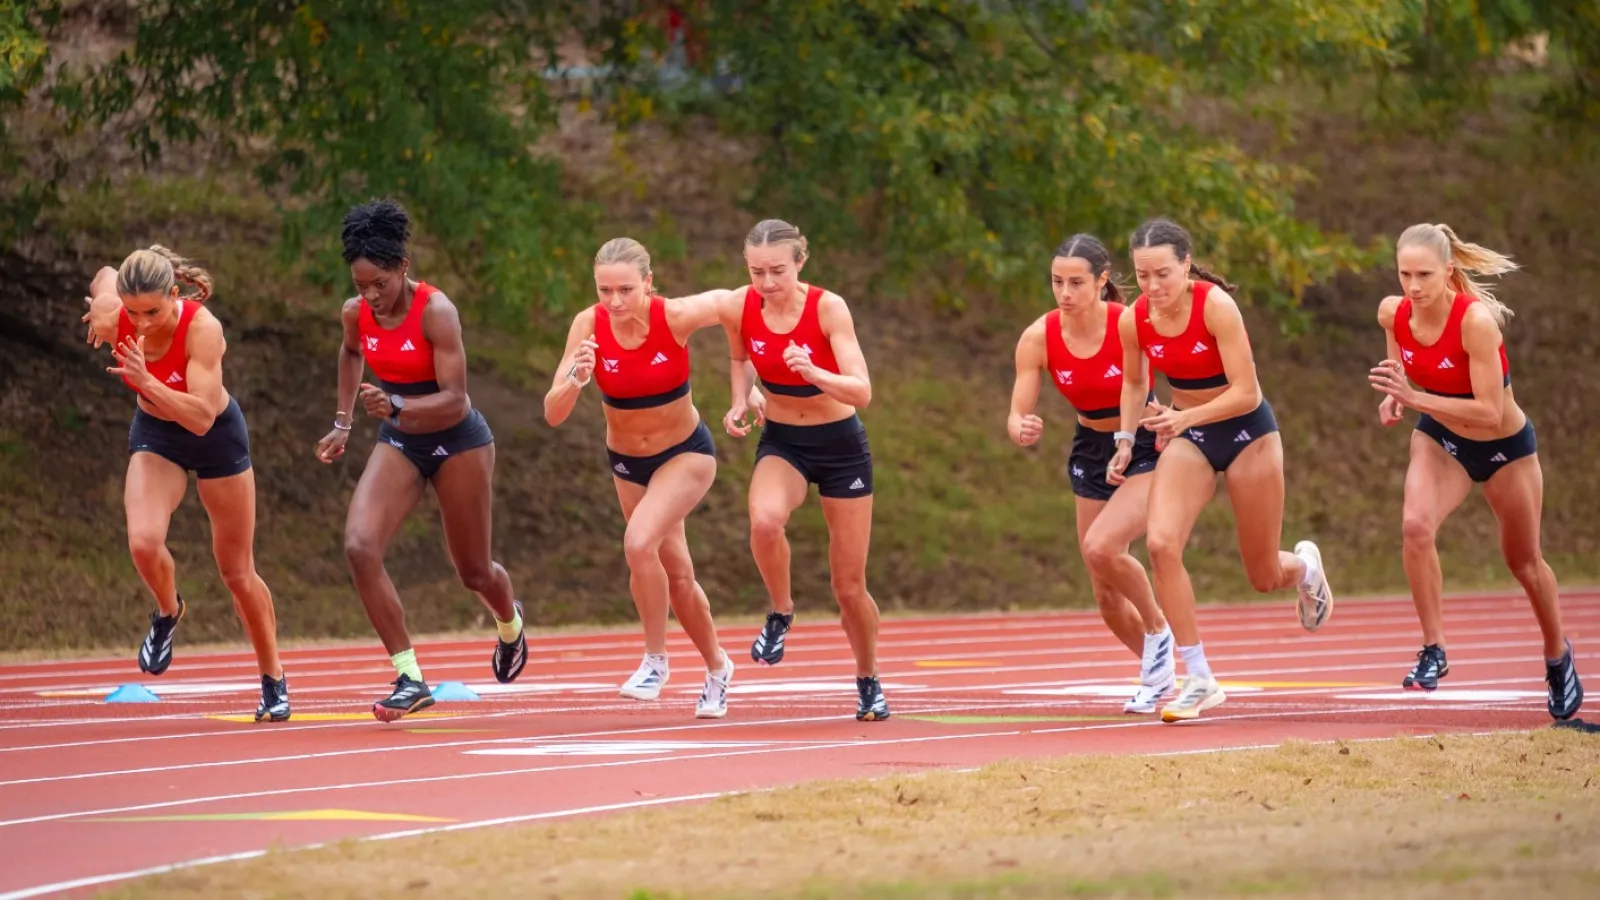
x=964 y=691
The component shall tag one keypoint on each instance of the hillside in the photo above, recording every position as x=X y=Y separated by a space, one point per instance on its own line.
x=965 y=520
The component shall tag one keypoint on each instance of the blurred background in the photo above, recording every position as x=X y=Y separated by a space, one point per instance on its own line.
x=933 y=152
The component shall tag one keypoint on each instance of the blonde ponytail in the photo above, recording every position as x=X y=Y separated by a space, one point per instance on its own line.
x=1469 y=259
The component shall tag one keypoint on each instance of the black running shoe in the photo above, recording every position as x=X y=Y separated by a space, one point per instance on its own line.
x=1566 y=691
x=274 y=699
x=768 y=647
x=408 y=697
x=155 y=654
x=509 y=658
x=1431 y=666
x=872 y=707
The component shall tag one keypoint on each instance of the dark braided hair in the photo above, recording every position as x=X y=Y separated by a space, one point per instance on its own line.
x=1088 y=248
x=1165 y=232
x=376 y=231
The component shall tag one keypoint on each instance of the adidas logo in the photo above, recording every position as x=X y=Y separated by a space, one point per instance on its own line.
x=174 y=378
x=1113 y=372
x=611 y=364
x=758 y=346
x=857 y=485
x=1449 y=447
x=440 y=451
x=407 y=345
x=1446 y=364
x=1064 y=376
x=1242 y=437
x=1200 y=347
x=659 y=359
x=1498 y=457
x=621 y=468
x=396 y=444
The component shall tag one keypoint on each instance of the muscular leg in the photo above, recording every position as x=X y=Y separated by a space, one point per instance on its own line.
x=776 y=491
x=849 y=536
x=1516 y=494
x=655 y=513
x=389 y=489
x=1435 y=485
x=688 y=599
x=1255 y=488
x=152 y=491
x=1181 y=486
x=231 y=505
x=465 y=488
x=1118 y=614
x=1105 y=543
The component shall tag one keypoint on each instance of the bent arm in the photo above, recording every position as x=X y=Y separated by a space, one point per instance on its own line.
x=1135 y=377
x=686 y=315
x=741 y=373
x=852 y=385
x=194 y=410
x=1243 y=393
x=350 y=364
x=104 y=304
x=1025 y=390
x=564 y=388
x=441 y=325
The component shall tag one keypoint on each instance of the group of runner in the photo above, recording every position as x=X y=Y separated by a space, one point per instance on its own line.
x=1137 y=465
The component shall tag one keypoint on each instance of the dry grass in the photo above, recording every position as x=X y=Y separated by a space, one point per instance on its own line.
x=1456 y=816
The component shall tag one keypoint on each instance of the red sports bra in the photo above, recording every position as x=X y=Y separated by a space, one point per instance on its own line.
x=654 y=373
x=1190 y=360
x=172 y=369
x=1443 y=367
x=766 y=346
x=401 y=358
x=1094 y=385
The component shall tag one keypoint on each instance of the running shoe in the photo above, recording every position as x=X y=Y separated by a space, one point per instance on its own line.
x=1197 y=696
x=872 y=706
x=648 y=679
x=509 y=659
x=274 y=699
x=768 y=646
x=408 y=697
x=714 y=696
x=1316 y=600
x=1158 y=673
x=1566 y=691
x=155 y=654
x=1431 y=666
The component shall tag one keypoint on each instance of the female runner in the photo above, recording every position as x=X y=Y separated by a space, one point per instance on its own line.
x=1443 y=334
x=1078 y=346
x=800 y=340
x=169 y=350
x=1191 y=331
x=409 y=333
x=661 y=454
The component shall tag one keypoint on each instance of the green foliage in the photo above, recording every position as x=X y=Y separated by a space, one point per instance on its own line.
x=341 y=100
x=23 y=53
x=1456 y=50
x=968 y=138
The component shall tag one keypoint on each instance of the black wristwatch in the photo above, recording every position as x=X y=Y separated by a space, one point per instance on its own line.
x=397 y=403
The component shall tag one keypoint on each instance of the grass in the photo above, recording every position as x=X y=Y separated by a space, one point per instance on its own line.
x=1490 y=815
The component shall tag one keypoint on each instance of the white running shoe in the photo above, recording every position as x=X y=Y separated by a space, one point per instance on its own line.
x=647 y=682
x=1158 y=673
x=714 y=696
x=1197 y=696
x=1316 y=601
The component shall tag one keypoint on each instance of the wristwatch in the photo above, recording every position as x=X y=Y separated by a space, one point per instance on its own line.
x=397 y=403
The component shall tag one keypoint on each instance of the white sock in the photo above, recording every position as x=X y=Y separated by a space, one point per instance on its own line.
x=1311 y=570
x=1194 y=661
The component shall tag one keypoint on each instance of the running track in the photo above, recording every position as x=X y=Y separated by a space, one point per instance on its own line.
x=207 y=784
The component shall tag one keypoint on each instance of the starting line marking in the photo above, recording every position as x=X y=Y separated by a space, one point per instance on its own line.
x=1446 y=695
x=614 y=748
x=305 y=815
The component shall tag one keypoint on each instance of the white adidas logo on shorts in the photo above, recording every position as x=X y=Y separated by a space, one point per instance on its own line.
x=857 y=485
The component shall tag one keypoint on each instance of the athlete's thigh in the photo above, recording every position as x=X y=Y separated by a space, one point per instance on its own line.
x=153 y=488
x=231 y=505
x=389 y=489
x=1255 y=489
x=776 y=488
x=675 y=490
x=1181 y=486
x=1435 y=484
x=1516 y=496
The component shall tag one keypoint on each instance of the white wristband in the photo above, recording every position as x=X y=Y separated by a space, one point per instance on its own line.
x=1121 y=436
x=574 y=378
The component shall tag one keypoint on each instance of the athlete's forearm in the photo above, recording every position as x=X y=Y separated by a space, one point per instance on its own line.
x=349 y=368
x=1134 y=393
x=560 y=401
x=1237 y=400
x=192 y=412
x=847 y=389
x=742 y=374
x=434 y=412
x=1473 y=411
